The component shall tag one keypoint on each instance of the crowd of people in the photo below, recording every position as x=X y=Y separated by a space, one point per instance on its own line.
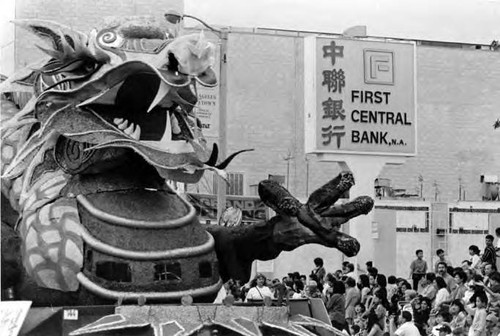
x=444 y=300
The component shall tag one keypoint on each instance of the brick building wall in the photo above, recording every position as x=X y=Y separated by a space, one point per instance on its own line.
x=458 y=98
x=457 y=103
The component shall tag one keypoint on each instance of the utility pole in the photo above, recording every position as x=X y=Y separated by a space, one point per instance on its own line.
x=307 y=175
x=287 y=159
x=221 y=185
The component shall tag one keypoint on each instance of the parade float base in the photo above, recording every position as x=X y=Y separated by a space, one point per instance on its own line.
x=300 y=317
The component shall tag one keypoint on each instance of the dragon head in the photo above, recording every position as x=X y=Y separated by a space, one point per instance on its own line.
x=123 y=86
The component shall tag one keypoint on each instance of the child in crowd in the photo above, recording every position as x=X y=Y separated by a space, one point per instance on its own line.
x=478 y=326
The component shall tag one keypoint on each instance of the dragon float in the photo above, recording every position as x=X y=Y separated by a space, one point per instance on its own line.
x=85 y=162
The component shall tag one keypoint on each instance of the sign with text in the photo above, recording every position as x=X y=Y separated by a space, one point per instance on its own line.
x=360 y=96
x=207 y=108
x=252 y=208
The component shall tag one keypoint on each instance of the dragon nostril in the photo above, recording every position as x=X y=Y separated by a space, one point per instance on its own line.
x=173 y=63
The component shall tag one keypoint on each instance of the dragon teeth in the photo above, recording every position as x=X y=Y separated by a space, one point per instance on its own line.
x=123 y=125
x=160 y=94
x=137 y=133
x=129 y=130
x=132 y=130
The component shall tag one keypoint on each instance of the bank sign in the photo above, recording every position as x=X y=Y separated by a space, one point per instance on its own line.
x=359 y=96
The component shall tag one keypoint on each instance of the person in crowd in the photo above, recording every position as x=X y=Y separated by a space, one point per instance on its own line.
x=418 y=268
x=466 y=264
x=459 y=291
x=488 y=269
x=303 y=278
x=335 y=305
x=359 y=319
x=298 y=290
x=444 y=330
x=329 y=279
x=224 y=291
x=492 y=327
x=373 y=282
x=458 y=314
x=312 y=290
x=406 y=326
x=369 y=264
x=478 y=326
x=352 y=298
x=440 y=258
x=350 y=271
x=494 y=282
x=442 y=294
x=469 y=285
x=373 y=271
x=258 y=290
x=314 y=278
x=319 y=270
x=442 y=318
x=489 y=254
x=379 y=305
x=403 y=285
x=373 y=326
x=338 y=274
x=392 y=287
x=443 y=273
x=493 y=297
x=475 y=260
x=429 y=288
x=410 y=296
x=364 y=286
x=422 y=311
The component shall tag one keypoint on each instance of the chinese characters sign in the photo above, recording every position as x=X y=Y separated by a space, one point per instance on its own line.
x=359 y=96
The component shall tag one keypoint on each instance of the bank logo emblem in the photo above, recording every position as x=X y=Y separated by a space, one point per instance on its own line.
x=379 y=67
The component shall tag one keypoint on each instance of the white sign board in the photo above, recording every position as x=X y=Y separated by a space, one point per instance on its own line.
x=207 y=108
x=12 y=315
x=360 y=96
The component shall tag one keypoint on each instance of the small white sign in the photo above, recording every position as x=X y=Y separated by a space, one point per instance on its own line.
x=70 y=314
x=12 y=315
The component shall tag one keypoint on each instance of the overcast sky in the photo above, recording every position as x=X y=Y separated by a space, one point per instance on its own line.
x=472 y=21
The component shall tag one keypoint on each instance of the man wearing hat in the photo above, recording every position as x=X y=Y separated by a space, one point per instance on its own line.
x=492 y=328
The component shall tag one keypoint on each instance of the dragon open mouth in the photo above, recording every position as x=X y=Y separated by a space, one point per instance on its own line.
x=145 y=110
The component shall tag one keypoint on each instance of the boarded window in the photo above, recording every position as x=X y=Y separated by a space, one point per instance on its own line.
x=205 y=269
x=113 y=271
x=168 y=271
x=235 y=186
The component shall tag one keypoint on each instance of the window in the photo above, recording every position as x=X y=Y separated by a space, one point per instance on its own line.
x=169 y=272
x=205 y=269
x=113 y=271
x=236 y=185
